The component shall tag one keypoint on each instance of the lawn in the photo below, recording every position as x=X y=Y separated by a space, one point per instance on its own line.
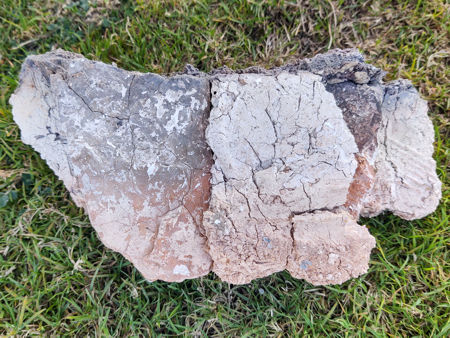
x=56 y=278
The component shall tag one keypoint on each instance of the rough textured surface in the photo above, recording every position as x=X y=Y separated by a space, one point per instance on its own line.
x=130 y=149
x=281 y=148
x=405 y=181
x=329 y=247
x=295 y=155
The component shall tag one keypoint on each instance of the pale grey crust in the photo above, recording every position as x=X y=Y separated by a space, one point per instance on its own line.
x=274 y=179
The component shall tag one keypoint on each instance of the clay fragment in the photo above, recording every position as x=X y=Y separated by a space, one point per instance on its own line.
x=130 y=149
x=281 y=148
x=244 y=173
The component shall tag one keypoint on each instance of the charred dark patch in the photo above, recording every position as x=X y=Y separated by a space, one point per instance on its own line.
x=361 y=107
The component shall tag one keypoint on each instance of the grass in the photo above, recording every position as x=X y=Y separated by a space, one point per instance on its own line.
x=57 y=279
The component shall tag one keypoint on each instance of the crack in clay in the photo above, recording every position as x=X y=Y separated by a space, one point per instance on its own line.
x=383 y=142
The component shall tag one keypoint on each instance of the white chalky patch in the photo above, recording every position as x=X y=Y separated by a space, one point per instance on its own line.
x=181 y=270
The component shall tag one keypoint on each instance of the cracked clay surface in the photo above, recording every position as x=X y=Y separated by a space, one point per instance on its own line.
x=244 y=173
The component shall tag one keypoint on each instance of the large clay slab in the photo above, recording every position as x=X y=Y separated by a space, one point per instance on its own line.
x=243 y=173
